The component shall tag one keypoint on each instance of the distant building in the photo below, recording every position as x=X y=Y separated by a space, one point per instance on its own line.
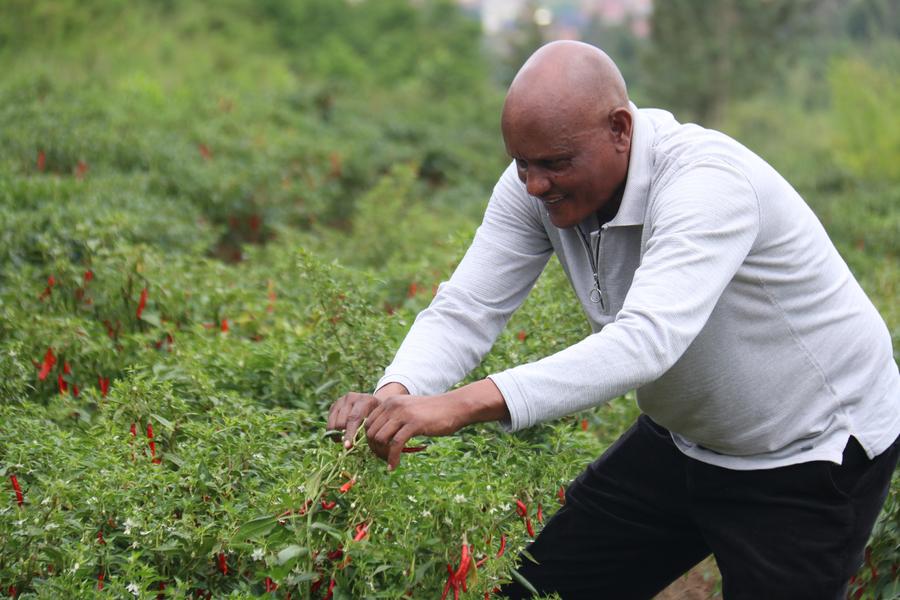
x=564 y=19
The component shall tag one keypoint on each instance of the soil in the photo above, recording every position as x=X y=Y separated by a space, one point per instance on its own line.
x=700 y=583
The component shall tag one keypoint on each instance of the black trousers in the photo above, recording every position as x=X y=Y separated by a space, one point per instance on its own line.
x=644 y=513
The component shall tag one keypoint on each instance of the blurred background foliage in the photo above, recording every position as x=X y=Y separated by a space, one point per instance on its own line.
x=193 y=148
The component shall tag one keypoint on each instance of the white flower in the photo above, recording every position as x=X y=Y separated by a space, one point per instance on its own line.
x=506 y=506
x=448 y=521
x=45 y=501
x=134 y=544
x=258 y=554
x=459 y=498
x=258 y=456
x=426 y=513
x=50 y=526
x=133 y=588
x=75 y=568
x=411 y=499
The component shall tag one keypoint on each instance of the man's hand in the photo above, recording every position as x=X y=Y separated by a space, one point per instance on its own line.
x=352 y=408
x=398 y=418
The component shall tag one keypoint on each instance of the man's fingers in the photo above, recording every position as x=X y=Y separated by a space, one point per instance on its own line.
x=337 y=414
x=397 y=443
x=380 y=436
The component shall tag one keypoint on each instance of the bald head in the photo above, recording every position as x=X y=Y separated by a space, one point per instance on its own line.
x=567 y=125
x=567 y=79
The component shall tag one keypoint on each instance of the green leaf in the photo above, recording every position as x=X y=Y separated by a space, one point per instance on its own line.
x=162 y=421
x=151 y=317
x=291 y=553
x=524 y=582
x=256 y=527
x=328 y=529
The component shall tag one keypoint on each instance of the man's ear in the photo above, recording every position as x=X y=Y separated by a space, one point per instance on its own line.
x=620 y=125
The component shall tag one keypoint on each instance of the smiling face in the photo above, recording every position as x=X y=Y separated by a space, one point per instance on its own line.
x=567 y=124
x=575 y=166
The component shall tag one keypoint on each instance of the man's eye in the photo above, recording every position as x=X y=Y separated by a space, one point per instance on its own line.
x=558 y=165
x=521 y=164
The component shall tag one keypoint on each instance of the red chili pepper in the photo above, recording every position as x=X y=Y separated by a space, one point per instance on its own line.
x=47 y=365
x=12 y=591
x=302 y=510
x=346 y=487
x=315 y=586
x=328 y=504
x=88 y=276
x=521 y=335
x=142 y=302
x=20 y=498
x=584 y=424
x=412 y=290
x=561 y=494
x=103 y=382
x=223 y=563
x=411 y=449
x=51 y=281
x=871 y=564
x=449 y=582
x=271 y=586
x=81 y=169
x=336 y=554
x=75 y=390
x=502 y=546
x=100 y=539
x=224 y=326
x=330 y=590
x=61 y=383
x=100 y=577
x=205 y=152
x=154 y=459
x=362 y=530
x=540 y=514
x=521 y=508
x=529 y=526
x=41 y=161
x=133 y=430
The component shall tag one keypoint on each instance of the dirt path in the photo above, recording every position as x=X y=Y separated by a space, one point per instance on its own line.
x=697 y=584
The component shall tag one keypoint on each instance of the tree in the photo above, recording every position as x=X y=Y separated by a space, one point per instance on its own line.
x=704 y=54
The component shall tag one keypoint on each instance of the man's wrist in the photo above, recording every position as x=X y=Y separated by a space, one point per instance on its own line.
x=482 y=402
x=392 y=388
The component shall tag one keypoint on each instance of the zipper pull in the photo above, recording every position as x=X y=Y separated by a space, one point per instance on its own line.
x=597 y=294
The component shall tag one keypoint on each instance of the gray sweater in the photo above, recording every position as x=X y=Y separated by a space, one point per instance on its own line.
x=721 y=300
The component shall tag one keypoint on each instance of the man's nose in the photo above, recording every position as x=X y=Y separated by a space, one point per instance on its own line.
x=536 y=183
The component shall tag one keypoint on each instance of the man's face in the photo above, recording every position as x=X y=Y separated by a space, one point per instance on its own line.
x=575 y=169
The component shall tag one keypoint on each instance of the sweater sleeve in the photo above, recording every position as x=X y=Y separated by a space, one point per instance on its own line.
x=702 y=226
x=450 y=337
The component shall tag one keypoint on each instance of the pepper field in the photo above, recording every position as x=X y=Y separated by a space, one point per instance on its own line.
x=212 y=228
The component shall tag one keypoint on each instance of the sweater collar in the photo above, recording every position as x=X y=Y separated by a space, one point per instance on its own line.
x=637 y=184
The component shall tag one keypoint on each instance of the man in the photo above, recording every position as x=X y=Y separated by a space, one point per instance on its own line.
x=770 y=396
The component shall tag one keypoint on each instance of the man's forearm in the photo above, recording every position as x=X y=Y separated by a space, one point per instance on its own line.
x=480 y=402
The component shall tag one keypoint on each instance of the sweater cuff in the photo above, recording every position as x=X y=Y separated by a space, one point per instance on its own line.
x=519 y=415
x=401 y=379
